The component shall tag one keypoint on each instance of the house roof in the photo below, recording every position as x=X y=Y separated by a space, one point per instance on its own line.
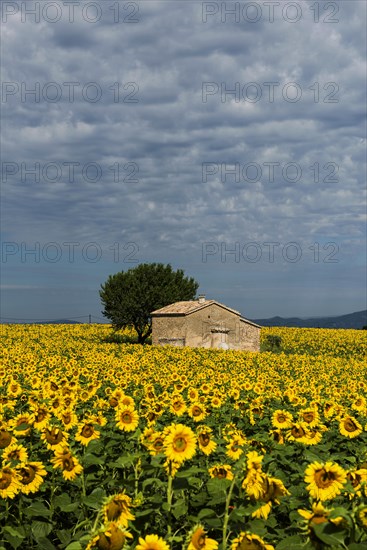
x=249 y=322
x=189 y=306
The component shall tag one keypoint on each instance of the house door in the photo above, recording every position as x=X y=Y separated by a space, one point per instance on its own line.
x=219 y=338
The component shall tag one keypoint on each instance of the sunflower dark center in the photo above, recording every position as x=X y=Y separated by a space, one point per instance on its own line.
x=180 y=444
x=114 y=509
x=297 y=432
x=67 y=463
x=87 y=430
x=250 y=544
x=198 y=540
x=113 y=402
x=204 y=439
x=5 y=479
x=349 y=425
x=5 y=439
x=158 y=444
x=114 y=540
x=54 y=436
x=324 y=479
x=28 y=474
x=14 y=455
x=41 y=415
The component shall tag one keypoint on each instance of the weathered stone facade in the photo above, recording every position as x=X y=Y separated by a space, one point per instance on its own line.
x=204 y=323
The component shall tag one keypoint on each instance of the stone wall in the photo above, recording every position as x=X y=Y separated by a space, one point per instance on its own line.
x=250 y=336
x=168 y=327
x=209 y=327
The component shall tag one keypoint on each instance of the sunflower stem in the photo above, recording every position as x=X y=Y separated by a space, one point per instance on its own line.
x=53 y=489
x=226 y=514
x=96 y=520
x=169 y=505
x=137 y=476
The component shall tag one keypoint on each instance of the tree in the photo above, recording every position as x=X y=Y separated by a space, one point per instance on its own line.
x=129 y=297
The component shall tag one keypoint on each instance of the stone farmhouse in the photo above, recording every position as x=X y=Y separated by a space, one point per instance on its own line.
x=204 y=323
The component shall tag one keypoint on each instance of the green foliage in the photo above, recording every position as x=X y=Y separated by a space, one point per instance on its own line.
x=129 y=297
x=272 y=343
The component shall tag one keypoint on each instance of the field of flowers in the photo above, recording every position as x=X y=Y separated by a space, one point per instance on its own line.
x=106 y=445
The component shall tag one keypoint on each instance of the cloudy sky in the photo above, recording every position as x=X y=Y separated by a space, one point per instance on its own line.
x=227 y=139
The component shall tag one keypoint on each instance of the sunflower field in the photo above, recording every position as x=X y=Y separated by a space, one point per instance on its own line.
x=110 y=446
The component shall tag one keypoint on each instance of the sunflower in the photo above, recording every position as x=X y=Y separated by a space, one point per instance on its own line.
x=234 y=450
x=178 y=405
x=197 y=540
x=255 y=477
x=216 y=402
x=229 y=430
x=127 y=401
x=298 y=432
x=22 y=424
x=156 y=444
x=96 y=419
x=152 y=542
x=9 y=482
x=222 y=471
x=197 y=411
x=6 y=403
x=206 y=444
x=86 y=433
x=282 y=419
x=192 y=394
x=179 y=442
x=14 y=389
x=41 y=416
x=110 y=537
x=325 y=481
x=127 y=419
x=256 y=412
x=68 y=418
x=350 y=427
x=53 y=437
x=310 y=417
x=359 y=403
x=277 y=436
x=117 y=509
x=171 y=467
x=31 y=476
x=312 y=437
x=361 y=515
x=249 y=541
x=254 y=460
x=68 y=463
x=271 y=490
x=357 y=478
x=318 y=515
x=6 y=437
x=15 y=453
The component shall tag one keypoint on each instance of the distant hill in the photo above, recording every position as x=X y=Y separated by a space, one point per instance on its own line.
x=356 y=320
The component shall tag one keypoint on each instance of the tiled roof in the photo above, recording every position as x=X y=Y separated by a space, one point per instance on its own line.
x=187 y=307
x=249 y=322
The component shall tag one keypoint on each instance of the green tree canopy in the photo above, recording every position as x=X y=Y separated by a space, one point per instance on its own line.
x=129 y=297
